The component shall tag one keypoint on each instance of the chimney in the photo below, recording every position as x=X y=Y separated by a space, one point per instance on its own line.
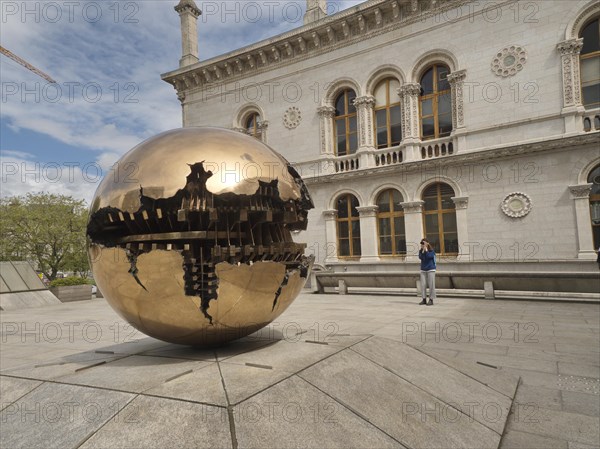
x=188 y=13
x=315 y=10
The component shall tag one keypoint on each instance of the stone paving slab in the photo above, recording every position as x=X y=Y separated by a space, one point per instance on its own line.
x=561 y=425
x=12 y=389
x=443 y=382
x=58 y=416
x=203 y=384
x=505 y=383
x=149 y=422
x=134 y=373
x=295 y=414
x=411 y=416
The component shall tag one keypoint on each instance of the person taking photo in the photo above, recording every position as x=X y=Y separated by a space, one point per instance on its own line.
x=428 y=266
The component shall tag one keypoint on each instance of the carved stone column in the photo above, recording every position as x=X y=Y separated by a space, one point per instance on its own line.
x=461 y=203
x=364 y=107
x=326 y=113
x=413 y=222
x=581 y=196
x=573 y=109
x=368 y=233
x=456 y=80
x=409 y=105
x=331 y=250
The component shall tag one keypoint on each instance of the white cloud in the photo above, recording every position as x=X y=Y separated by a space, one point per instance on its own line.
x=21 y=174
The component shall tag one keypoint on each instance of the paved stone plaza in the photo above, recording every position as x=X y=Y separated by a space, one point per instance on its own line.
x=333 y=371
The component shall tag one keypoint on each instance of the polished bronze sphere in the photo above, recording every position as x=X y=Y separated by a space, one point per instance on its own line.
x=190 y=236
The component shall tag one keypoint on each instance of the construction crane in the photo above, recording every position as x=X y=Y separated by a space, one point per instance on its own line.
x=25 y=64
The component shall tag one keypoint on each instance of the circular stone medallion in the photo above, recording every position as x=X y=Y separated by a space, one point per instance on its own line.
x=292 y=117
x=509 y=61
x=516 y=205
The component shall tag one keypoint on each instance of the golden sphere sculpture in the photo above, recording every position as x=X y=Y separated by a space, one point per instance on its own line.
x=189 y=236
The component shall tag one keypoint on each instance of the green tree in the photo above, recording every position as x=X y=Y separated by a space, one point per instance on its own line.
x=47 y=229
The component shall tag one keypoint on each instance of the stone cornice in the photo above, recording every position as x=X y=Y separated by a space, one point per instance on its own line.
x=371 y=18
x=460 y=158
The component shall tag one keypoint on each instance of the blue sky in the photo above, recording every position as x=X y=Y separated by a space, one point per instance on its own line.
x=106 y=57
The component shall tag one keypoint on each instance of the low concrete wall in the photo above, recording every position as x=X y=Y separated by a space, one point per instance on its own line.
x=72 y=292
x=563 y=282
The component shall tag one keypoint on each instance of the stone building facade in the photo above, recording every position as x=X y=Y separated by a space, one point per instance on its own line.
x=475 y=124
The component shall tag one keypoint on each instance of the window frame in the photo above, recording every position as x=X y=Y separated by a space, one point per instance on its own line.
x=440 y=214
x=349 y=219
x=346 y=116
x=256 y=130
x=594 y=198
x=387 y=106
x=583 y=57
x=392 y=215
x=434 y=96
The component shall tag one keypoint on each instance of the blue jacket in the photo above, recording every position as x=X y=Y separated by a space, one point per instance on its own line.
x=427 y=260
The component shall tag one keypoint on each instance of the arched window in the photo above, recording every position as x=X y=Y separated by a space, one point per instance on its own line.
x=594 y=178
x=390 y=224
x=348 y=226
x=439 y=218
x=346 y=137
x=436 y=103
x=387 y=114
x=590 y=64
x=253 y=125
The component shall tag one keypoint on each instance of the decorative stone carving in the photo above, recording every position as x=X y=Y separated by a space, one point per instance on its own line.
x=460 y=202
x=326 y=113
x=509 y=61
x=330 y=214
x=516 y=205
x=581 y=191
x=569 y=51
x=367 y=211
x=292 y=117
x=364 y=106
x=456 y=80
x=409 y=95
x=413 y=207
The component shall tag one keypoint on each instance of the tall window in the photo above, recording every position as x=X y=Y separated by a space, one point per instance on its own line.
x=590 y=64
x=436 y=103
x=253 y=127
x=346 y=137
x=390 y=224
x=594 y=178
x=387 y=114
x=348 y=226
x=439 y=218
